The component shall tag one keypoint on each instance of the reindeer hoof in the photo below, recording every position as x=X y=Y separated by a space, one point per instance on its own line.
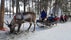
x=33 y=31
x=16 y=33
x=26 y=30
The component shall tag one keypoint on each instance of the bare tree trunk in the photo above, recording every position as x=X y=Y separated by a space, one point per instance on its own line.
x=32 y=3
x=70 y=7
x=10 y=9
x=38 y=7
x=24 y=5
x=2 y=15
x=50 y=6
x=13 y=2
x=17 y=6
x=55 y=8
x=29 y=5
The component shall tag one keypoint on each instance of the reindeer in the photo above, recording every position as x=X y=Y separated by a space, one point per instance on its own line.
x=26 y=17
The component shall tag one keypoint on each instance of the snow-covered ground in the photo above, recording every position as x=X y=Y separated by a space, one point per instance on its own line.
x=60 y=32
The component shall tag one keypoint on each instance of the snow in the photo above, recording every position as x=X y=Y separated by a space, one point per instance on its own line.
x=60 y=32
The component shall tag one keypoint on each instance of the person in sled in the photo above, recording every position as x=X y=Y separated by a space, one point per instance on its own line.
x=43 y=15
x=61 y=18
x=56 y=19
x=65 y=18
x=51 y=18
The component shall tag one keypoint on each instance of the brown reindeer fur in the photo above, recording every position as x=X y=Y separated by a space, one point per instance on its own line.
x=31 y=20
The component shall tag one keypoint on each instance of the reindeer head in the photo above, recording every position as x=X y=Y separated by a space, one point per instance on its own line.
x=10 y=26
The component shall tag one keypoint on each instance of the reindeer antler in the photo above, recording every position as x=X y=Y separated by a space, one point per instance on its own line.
x=7 y=23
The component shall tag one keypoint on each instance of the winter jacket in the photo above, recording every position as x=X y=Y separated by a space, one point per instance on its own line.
x=43 y=14
x=51 y=19
x=56 y=18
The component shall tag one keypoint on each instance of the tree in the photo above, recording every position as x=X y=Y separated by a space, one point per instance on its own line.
x=24 y=2
x=13 y=2
x=17 y=6
x=2 y=15
x=58 y=4
x=44 y=4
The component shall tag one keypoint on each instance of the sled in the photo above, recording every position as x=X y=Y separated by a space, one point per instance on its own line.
x=42 y=24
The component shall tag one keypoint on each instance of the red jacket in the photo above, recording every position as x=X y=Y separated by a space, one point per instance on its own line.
x=56 y=19
x=65 y=17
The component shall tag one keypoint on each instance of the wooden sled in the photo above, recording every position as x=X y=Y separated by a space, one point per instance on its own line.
x=42 y=24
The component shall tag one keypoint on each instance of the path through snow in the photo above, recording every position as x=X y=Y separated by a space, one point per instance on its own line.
x=60 y=32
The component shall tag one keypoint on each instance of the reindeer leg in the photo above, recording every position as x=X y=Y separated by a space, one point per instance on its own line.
x=12 y=30
x=29 y=26
x=34 y=27
x=19 y=27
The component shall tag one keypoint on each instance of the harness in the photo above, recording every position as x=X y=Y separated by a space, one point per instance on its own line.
x=15 y=18
x=18 y=17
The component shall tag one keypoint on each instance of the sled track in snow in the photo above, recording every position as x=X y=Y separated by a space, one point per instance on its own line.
x=23 y=35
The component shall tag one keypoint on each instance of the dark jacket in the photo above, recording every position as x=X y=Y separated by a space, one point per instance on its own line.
x=43 y=14
x=51 y=19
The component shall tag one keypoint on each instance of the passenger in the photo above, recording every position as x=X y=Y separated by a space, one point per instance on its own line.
x=65 y=18
x=61 y=18
x=51 y=18
x=43 y=15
